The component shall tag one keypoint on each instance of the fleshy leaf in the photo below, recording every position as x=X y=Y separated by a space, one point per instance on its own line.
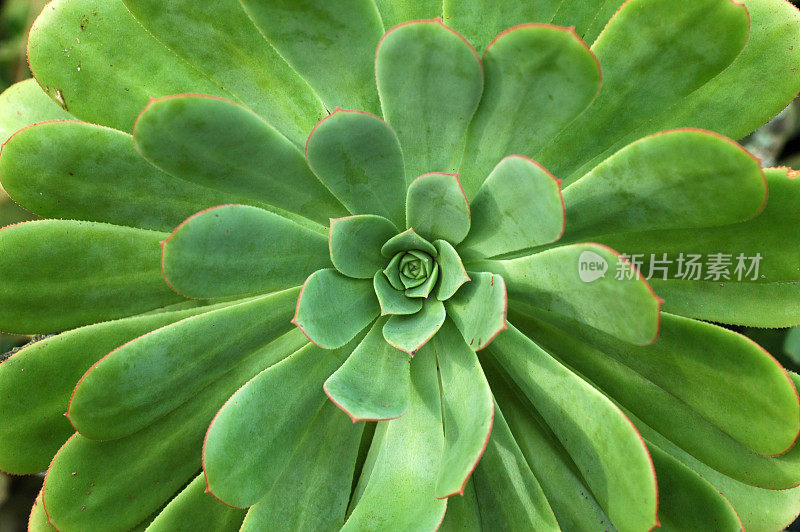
x=117 y=269
x=423 y=290
x=221 y=41
x=84 y=485
x=45 y=168
x=333 y=308
x=538 y=79
x=571 y=500
x=355 y=243
x=479 y=309
x=509 y=496
x=373 y=382
x=148 y=377
x=410 y=333
x=392 y=300
x=358 y=157
x=220 y=252
x=223 y=146
x=604 y=446
x=667 y=385
x=331 y=45
x=70 y=56
x=406 y=241
x=481 y=20
x=754 y=88
x=276 y=408
x=687 y=501
x=308 y=496
x=194 y=508
x=678 y=179
x=37 y=522
x=669 y=61
x=41 y=376
x=24 y=104
x=587 y=282
x=758 y=281
x=394 y=12
x=463 y=514
x=519 y=206
x=396 y=490
x=429 y=100
x=748 y=501
x=468 y=410
x=436 y=208
x=451 y=271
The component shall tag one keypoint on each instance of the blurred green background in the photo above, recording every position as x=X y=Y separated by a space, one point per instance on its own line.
x=777 y=143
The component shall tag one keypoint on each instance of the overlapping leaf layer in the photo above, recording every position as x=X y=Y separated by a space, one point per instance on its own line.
x=421 y=312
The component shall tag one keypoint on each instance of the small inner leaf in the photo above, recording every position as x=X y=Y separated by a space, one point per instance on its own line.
x=355 y=244
x=451 y=270
x=436 y=207
x=406 y=241
x=394 y=301
x=410 y=333
x=424 y=289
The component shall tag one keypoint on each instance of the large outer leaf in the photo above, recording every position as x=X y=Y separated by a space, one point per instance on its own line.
x=678 y=179
x=115 y=485
x=538 y=79
x=760 y=82
x=71 y=57
x=518 y=206
x=602 y=442
x=223 y=146
x=36 y=384
x=573 y=503
x=687 y=501
x=77 y=273
x=331 y=45
x=430 y=82
x=690 y=44
x=150 y=376
x=195 y=509
x=358 y=157
x=313 y=491
x=373 y=382
x=771 y=300
x=276 y=409
x=559 y=281
x=509 y=495
x=24 y=104
x=760 y=510
x=481 y=20
x=394 y=12
x=88 y=172
x=333 y=308
x=396 y=490
x=221 y=41
x=468 y=410
x=649 y=382
x=221 y=252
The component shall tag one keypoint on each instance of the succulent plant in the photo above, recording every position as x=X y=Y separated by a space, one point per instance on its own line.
x=393 y=265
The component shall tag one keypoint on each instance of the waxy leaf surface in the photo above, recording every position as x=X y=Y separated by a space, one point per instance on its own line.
x=373 y=383
x=430 y=81
x=221 y=252
x=224 y=146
